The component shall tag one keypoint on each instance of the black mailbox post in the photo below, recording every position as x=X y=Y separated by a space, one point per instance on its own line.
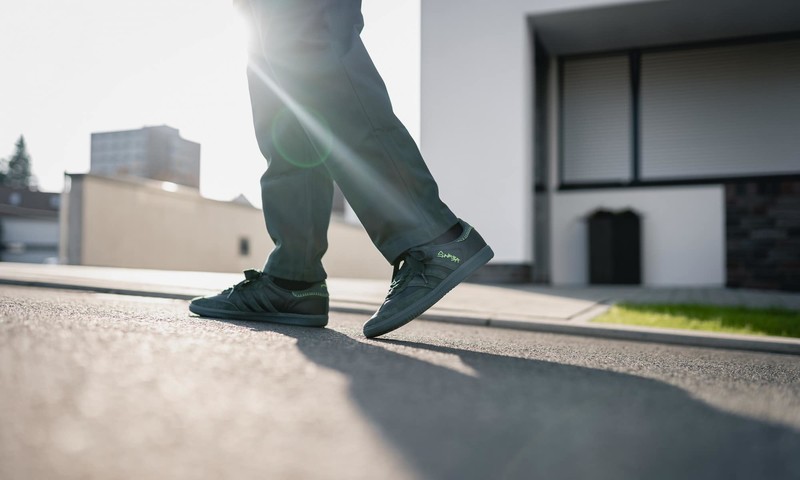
x=615 y=247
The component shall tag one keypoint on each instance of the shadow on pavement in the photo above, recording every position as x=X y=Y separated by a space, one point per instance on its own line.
x=508 y=417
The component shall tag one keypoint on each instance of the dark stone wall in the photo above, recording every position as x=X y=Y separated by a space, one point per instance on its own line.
x=502 y=273
x=762 y=224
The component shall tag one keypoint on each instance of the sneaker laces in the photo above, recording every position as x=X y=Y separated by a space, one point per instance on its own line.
x=250 y=276
x=413 y=264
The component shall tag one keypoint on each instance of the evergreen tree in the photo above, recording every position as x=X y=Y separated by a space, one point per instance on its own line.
x=18 y=168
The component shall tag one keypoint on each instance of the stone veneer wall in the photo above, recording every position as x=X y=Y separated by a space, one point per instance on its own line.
x=762 y=220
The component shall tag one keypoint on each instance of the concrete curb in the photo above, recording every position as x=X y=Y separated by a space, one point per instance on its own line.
x=578 y=326
x=693 y=338
x=97 y=289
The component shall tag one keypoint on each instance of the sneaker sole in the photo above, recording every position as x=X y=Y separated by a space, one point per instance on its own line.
x=295 y=319
x=413 y=311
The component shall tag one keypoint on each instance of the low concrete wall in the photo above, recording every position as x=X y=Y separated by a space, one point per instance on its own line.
x=683 y=233
x=140 y=224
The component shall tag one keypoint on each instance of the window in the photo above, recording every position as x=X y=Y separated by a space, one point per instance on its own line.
x=596 y=123
x=696 y=113
x=720 y=111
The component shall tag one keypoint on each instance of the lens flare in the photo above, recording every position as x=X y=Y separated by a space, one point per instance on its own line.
x=325 y=143
x=285 y=130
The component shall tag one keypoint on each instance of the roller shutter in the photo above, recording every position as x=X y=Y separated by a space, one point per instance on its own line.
x=596 y=128
x=722 y=111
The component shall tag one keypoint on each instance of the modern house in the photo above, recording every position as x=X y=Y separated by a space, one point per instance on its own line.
x=537 y=113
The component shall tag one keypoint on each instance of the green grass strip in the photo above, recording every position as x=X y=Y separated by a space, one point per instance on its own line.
x=749 y=321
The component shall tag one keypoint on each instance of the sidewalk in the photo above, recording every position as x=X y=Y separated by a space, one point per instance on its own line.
x=565 y=310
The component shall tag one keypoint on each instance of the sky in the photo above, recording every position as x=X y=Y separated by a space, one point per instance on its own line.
x=82 y=66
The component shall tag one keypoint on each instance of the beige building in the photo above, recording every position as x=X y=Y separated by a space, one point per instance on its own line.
x=150 y=224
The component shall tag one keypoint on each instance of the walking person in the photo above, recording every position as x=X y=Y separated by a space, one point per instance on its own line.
x=322 y=114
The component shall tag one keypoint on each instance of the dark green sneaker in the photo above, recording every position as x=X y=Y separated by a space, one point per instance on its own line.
x=427 y=273
x=258 y=298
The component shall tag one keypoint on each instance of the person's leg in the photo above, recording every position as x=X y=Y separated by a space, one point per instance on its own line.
x=297 y=194
x=320 y=69
x=318 y=66
x=296 y=190
x=311 y=70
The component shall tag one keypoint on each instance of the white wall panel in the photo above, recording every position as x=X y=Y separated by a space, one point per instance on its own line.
x=683 y=233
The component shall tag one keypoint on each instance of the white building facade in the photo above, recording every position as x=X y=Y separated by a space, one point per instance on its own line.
x=537 y=113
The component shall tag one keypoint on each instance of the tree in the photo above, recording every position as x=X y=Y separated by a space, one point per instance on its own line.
x=18 y=168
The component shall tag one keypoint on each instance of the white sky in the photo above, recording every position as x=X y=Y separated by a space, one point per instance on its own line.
x=75 y=67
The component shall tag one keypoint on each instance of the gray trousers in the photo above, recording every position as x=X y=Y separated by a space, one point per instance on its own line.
x=322 y=114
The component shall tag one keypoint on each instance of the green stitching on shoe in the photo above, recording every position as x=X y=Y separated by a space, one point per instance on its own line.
x=310 y=294
x=448 y=256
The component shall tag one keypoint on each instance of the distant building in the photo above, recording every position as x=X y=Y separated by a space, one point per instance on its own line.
x=157 y=153
x=28 y=225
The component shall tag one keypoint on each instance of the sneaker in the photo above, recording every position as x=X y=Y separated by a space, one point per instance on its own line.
x=427 y=273
x=258 y=298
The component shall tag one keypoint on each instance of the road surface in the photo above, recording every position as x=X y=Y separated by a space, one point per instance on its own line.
x=104 y=386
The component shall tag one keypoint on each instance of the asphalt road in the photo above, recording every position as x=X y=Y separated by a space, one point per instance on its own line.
x=103 y=386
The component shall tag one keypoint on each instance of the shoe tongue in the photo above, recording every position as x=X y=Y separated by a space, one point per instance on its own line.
x=251 y=274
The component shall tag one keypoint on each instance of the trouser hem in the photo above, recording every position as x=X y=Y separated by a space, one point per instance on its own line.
x=399 y=244
x=314 y=276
